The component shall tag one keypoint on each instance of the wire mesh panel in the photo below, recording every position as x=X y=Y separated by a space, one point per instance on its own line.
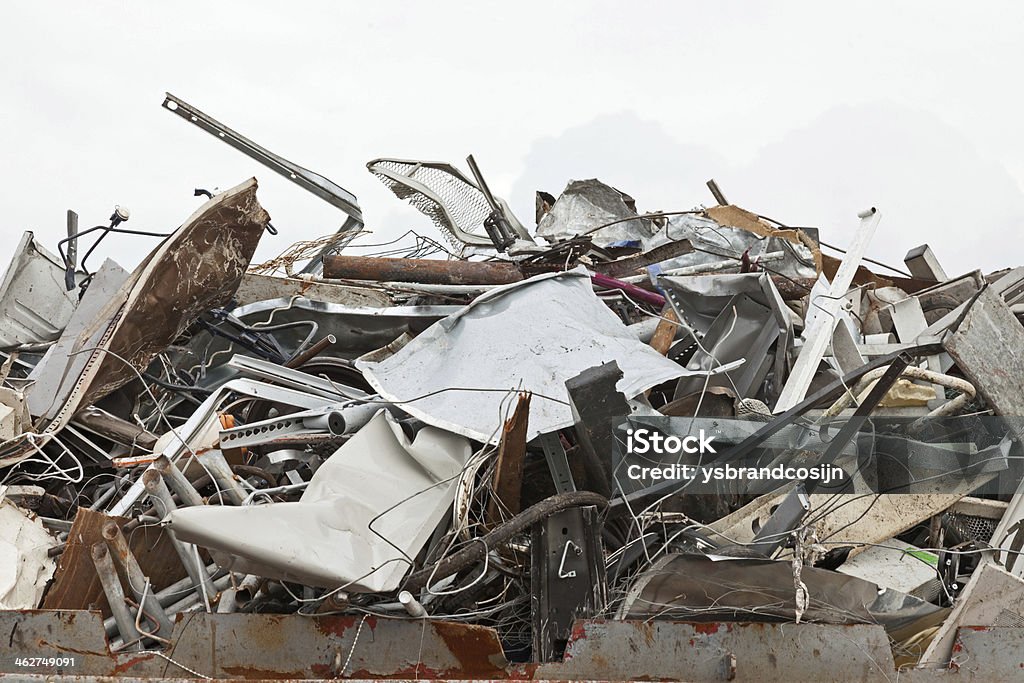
x=440 y=191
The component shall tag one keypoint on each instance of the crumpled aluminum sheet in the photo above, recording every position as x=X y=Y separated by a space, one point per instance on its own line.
x=373 y=503
x=585 y=205
x=713 y=242
x=699 y=300
x=34 y=304
x=25 y=566
x=699 y=588
x=528 y=336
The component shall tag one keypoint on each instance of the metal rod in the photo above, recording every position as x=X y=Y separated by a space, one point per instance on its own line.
x=630 y=290
x=185 y=603
x=171 y=595
x=719 y=197
x=411 y=604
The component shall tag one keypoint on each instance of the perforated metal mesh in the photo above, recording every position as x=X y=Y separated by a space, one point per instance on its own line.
x=457 y=206
x=1009 y=619
x=978 y=528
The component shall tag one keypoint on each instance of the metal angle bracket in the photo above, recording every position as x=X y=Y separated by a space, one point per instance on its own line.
x=329 y=191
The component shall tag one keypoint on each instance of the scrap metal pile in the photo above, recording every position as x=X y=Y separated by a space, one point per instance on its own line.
x=424 y=462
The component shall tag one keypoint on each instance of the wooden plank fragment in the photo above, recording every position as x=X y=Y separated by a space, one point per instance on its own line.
x=508 y=471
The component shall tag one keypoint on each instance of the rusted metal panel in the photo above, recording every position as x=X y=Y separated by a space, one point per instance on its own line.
x=630 y=265
x=292 y=647
x=427 y=271
x=621 y=650
x=258 y=646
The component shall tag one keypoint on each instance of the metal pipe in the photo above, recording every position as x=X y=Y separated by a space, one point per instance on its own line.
x=112 y=588
x=277 y=489
x=966 y=389
x=187 y=494
x=425 y=271
x=630 y=290
x=193 y=598
x=104 y=497
x=312 y=352
x=219 y=469
x=448 y=290
x=411 y=604
x=352 y=417
x=114 y=428
x=122 y=554
x=182 y=605
x=335 y=602
x=247 y=589
x=228 y=601
x=712 y=267
x=176 y=592
x=57 y=524
x=156 y=488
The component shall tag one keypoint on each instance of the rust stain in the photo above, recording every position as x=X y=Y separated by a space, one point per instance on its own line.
x=65 y=648
x=125 y=666
x=339 y=625
x=257 y=674
x=707 y=629
x=578 y=632
x=268 y=635
x=647 y=629
x=475 y=647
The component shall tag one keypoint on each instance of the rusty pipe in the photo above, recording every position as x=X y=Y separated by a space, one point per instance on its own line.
x=312 y=352
x=426 y=271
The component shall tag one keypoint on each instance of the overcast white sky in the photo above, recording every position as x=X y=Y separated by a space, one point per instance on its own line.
x=805 y=112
